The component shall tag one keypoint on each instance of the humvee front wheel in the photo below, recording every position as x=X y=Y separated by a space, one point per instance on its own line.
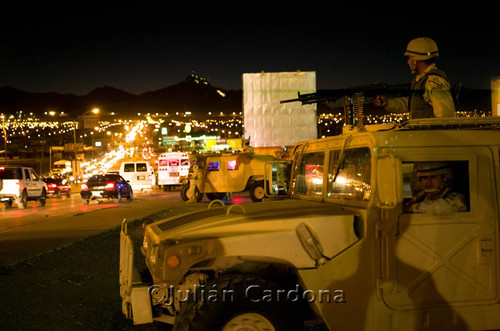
x=257 y=192
x=248 y=321
x=237 y=302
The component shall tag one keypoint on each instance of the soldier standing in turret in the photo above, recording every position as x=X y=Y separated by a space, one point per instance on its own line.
x=430 y=93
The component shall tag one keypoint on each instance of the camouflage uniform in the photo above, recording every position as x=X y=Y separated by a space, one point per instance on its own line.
x=445 y=203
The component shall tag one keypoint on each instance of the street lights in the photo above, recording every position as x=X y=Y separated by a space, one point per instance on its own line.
x=89 y=120
x=4 y=137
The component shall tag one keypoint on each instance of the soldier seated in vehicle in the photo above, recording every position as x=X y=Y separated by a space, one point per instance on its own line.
x=436 y=195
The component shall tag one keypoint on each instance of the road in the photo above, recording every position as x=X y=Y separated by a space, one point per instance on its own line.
x=35 y=230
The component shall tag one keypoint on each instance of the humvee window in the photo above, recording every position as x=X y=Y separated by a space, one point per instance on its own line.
x=309 y=176
x=232 y=165
x=213 y=166
x=349 y=174
x=453 y=188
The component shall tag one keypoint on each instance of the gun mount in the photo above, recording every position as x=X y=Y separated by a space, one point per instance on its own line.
x=355 y=99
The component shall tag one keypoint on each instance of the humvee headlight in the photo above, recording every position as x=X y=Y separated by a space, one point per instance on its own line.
x=152 y=254
x=173 y=261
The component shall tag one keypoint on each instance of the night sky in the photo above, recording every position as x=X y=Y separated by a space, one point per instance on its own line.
x=147 y=48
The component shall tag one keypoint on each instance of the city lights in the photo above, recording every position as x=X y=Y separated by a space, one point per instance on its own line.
x=31 y=136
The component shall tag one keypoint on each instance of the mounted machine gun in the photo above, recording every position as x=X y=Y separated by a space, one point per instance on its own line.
x=355 y=99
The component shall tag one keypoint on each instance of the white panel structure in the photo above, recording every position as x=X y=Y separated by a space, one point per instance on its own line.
x=495 y=96
x=271 y=124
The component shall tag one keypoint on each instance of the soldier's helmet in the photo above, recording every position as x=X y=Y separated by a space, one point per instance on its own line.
x=434 y=168
x=422 y=48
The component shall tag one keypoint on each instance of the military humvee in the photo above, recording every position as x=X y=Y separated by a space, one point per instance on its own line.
x=340 y=250
x=230 y=172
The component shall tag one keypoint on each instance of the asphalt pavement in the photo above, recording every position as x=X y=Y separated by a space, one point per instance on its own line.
x=37 y=230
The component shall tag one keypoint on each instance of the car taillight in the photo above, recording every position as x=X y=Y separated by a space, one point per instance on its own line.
x=84 y=187
x=110 y=186
x=53 y=185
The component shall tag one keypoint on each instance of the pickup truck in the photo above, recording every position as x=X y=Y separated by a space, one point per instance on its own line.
x=19 y=185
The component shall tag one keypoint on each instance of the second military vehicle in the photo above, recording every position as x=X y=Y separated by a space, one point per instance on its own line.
x=230 y=172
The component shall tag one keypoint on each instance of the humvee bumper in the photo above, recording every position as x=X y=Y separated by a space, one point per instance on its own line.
x=136 y=301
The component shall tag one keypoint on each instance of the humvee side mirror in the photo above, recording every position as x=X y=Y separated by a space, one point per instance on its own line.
x=389 y=184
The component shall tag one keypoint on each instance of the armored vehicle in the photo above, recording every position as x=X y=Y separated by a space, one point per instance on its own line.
x=343 y=250
x=230 y=172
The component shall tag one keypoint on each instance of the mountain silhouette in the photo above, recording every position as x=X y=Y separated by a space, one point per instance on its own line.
x=190 y=95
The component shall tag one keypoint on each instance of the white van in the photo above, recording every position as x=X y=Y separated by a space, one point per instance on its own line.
x=171 y=167
x=139 y=174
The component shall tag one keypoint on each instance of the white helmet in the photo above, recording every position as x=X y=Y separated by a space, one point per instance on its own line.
x=421 y=49
x=434 y=168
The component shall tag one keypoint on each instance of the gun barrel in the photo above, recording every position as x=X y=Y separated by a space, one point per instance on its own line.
x=334 y=95
x=310 y=98
x=289 y=100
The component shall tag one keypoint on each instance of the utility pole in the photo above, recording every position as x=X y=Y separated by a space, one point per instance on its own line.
x=4 y=138
x=75 y=124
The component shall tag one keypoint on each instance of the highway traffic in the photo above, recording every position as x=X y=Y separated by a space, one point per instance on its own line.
x=35 y=230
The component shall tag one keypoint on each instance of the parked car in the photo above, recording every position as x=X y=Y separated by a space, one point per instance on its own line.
x=109 y=186
x=19 y=185
x=57 y=187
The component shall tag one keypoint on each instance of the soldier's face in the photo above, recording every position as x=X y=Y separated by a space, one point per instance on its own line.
x=413 y=65
x=431 y=183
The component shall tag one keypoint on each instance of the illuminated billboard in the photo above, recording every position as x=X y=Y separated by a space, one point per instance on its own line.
x=269 y=123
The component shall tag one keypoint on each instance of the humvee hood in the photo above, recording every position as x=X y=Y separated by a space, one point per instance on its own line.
x=244 y=219
x=264 y=224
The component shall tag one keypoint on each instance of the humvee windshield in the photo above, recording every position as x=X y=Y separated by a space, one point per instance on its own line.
x=349 y=174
